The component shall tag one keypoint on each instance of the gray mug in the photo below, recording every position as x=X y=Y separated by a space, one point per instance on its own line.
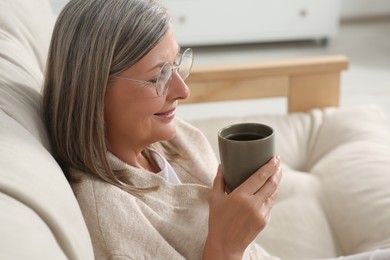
x=243 y=149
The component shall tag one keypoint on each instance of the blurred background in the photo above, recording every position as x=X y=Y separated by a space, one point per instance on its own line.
x=227 y=32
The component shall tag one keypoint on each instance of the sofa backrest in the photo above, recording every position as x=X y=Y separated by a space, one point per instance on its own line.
x=39 y=215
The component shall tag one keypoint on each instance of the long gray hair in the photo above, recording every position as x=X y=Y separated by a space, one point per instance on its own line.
x=92 y=40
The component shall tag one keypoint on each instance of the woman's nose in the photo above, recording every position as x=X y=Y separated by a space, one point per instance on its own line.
x=178 y=89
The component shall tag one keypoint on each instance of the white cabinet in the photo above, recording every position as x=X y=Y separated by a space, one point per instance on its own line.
x=208 y=22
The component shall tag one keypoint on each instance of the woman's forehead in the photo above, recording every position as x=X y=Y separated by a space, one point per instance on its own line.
x=165 y=51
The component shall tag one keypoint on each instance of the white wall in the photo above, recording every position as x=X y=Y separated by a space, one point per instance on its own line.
x=349 y=8
x=364 y=8
x=57 y=5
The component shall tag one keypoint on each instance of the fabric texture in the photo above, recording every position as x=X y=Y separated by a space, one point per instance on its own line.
x=166 y=170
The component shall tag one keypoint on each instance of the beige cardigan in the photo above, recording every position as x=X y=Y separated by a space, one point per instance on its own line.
x=169 y=223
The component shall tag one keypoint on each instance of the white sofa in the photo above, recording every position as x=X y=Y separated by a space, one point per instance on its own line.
x=334 y=198
x=39 y=215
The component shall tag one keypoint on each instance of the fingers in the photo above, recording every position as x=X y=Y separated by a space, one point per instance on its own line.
x=268 y=193
x=261 y=177
x=265 y=209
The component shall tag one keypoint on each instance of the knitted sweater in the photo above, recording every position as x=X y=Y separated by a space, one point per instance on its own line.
x=168 y=223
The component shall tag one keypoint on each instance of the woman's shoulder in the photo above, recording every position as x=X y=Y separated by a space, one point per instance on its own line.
x=90 y=190
x=191 y=138
x=188 y=132
x=185 y=126
x=111 y=215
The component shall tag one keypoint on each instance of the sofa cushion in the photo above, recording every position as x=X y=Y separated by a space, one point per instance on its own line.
x=31 y=176
x=21 y=228
x=352 y=159
x=39 y=215
x=25 y=31
x=334 y=194
x=22 y=104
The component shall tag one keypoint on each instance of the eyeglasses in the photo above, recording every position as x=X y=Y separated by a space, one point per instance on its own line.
x=182 y=66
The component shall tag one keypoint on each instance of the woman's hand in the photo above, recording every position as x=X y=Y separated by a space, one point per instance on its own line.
x=237 y=218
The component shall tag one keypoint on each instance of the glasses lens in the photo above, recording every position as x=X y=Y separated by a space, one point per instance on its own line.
x=185 y=64
x=165 y=76
x=163 y=79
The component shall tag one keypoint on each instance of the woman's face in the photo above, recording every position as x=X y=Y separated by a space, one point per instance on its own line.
x=135 y=116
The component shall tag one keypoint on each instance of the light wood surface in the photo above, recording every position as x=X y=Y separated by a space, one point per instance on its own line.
x=306 y=83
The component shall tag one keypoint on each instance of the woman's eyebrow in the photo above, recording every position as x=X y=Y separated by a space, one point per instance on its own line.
x=158 y=65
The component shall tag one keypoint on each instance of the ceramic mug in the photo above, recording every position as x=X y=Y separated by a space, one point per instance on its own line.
x=243 y=149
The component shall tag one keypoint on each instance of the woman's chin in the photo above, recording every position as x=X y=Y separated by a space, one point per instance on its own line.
x=168 y=132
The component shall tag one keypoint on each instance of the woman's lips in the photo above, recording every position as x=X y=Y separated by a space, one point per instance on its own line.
x=167 y=114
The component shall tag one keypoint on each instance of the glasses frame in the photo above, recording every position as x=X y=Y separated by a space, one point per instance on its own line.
x=174 y=68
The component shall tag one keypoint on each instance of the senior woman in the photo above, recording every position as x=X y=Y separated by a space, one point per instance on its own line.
x=148 y=183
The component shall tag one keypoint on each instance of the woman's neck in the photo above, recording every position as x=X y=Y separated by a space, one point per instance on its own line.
x=147 y=162
x=142 y=159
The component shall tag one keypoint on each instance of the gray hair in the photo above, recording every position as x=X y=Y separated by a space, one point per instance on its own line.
x=92 y=40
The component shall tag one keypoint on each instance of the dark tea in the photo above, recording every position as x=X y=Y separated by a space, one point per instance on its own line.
x=244 y=136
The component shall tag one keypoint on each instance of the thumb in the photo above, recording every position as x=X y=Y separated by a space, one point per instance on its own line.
x=219 y=183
